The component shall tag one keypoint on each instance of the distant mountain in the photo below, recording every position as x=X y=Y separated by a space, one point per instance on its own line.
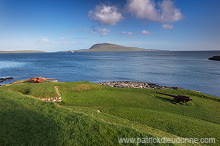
x=105 y=47
x=23 y=51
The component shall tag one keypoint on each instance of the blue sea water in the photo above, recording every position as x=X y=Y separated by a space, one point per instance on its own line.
x=186 y=69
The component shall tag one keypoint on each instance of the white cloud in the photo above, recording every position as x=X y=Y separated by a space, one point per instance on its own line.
x=45 y=40
x=127 y=33
x=102 y=31
x=145 y=32
x=62 y=38
x=143 y=9
x=167 y=26
x=149 y=10
x=169 y=12
x=106 y=15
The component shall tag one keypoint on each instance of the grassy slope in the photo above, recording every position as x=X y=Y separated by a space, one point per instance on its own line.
x=140 y=109
x=200 y=118
x=28 y=121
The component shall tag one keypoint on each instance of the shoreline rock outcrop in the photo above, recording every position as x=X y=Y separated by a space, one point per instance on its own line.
x=215 y=58
x=5 y=79
x=129 y=84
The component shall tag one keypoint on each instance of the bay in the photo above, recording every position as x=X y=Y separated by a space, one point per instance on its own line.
x=187 y=69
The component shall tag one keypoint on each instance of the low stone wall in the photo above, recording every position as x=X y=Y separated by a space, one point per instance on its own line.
x=128 y=84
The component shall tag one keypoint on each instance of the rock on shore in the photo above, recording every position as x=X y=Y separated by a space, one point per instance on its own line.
x=5 y=79
x=128 y=84
x=215 y=58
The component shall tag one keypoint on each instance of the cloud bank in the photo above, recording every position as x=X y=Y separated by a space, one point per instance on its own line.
x=147 y=10
x=106 y=15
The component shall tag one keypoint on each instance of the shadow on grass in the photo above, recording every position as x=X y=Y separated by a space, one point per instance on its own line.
x=22 y=126
x=173 y=102
x=166 y=99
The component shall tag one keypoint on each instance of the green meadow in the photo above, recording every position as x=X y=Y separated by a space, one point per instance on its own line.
x=91 y=114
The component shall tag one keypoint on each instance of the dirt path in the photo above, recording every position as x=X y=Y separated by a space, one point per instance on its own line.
x=58 y=99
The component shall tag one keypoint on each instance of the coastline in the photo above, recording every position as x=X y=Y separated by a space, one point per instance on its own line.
x=118 y=84
x=125 y=107
x=131 y=84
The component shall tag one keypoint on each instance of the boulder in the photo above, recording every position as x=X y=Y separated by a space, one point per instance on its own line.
x=215 y=58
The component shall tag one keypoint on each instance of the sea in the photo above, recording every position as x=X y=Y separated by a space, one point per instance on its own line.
x=187 y=69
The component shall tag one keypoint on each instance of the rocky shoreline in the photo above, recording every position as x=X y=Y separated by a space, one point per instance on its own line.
x=129 y=84
x=6 y=79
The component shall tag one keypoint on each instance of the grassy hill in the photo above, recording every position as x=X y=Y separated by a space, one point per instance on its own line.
x=91 y=114
x=105 y=47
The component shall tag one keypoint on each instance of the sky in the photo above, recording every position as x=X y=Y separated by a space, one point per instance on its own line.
x=58 y=25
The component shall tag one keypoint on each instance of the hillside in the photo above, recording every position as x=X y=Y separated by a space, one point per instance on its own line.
x=92 y=114
x=23 y=51
x=105 y=47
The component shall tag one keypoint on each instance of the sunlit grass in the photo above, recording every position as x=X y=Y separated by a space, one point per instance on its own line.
x=91 y=109
x=28 y=121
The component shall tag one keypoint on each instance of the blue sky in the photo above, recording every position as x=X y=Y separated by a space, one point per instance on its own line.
x=56 y=25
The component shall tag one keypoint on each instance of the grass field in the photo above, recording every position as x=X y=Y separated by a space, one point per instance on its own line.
x=91 y=114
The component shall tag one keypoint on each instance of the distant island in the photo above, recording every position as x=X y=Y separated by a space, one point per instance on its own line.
x=23 y=51
x=106 y=47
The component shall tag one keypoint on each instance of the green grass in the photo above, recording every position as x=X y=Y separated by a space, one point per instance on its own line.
x=45 y=90
x=28 y=121
x=124 y=112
